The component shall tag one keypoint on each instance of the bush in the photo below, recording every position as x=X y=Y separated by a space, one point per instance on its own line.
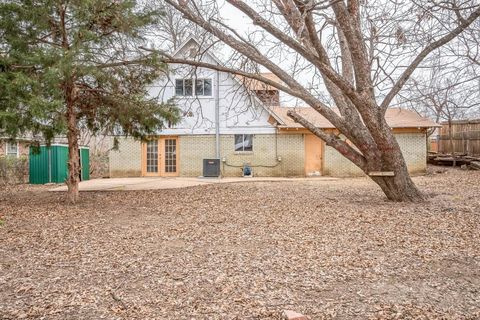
x=99 y=164
x=13 y=170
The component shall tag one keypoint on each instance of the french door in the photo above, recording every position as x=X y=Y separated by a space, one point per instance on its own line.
x=160 y=157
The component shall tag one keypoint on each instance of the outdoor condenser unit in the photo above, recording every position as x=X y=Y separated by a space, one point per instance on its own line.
x=211 y=167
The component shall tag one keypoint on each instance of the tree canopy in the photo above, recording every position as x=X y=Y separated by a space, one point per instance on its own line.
x=70 y=63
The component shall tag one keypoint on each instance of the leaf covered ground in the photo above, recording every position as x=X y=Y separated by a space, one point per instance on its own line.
x=328 y=249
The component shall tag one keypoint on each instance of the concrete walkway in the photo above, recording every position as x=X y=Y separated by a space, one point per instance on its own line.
x=153 y=183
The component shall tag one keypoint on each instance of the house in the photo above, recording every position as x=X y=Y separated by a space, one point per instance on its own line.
x=240 y=122
x=14 y=160
x=21 y=164
x=14 y=148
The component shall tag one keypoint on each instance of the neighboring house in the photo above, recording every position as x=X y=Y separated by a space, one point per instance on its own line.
x=14 y=160
x=14 y=148
x=240 y=122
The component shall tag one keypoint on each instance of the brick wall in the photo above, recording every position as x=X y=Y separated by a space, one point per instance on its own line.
x=193 y=149
x=413 y=147
x=334 y=164
x=23 y=148
x=127 y=160
x=14 y=170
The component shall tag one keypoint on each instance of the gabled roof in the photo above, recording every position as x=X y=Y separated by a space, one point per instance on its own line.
x=193 y=39
x=395 y=117
x=235 y=78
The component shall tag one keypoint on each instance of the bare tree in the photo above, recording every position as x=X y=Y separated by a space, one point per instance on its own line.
x=448 y=92
x=173 y=29
x=320 y=33
x=448 y=89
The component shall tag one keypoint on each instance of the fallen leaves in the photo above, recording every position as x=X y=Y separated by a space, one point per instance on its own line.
x=330 y=249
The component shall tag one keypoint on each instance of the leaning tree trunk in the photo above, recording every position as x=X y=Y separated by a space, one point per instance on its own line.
x=73 y=155
x=399 y=187
x=377 y=153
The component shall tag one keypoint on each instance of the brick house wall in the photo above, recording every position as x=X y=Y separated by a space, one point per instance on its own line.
x=413 y=146
x=23 y=146
x=17 y=171
x=127 y=160
x=262 y=159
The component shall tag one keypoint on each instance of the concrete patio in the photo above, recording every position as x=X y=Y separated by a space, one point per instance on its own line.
x=153 y=183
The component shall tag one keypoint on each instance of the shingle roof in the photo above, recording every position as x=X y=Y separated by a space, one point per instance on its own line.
x=396 y=118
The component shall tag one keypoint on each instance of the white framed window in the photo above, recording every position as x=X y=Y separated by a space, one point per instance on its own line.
x=243 y=142
x=189 y=87
x=184 y=87
x=12 y=149
x=203 y=87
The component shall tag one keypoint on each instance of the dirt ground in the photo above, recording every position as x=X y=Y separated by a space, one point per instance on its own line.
x=328 y=249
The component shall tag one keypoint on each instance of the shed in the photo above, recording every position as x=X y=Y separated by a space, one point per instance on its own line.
x=50 y=164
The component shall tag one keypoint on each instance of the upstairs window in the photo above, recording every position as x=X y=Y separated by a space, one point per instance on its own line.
x=12 y=149
x=203 y=87
x=244 y=142
x=184 y=87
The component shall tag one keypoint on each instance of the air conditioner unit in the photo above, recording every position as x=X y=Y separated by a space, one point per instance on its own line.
x=211 y=167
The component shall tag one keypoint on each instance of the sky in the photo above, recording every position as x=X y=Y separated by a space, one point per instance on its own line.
x=235 y=19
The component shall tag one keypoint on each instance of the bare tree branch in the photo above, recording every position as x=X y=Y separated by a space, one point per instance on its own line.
x=464 y=23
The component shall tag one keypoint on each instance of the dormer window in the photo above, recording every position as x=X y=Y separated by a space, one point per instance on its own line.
x=185 y=87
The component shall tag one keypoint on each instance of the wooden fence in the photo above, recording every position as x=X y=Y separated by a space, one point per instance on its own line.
x=465 y=136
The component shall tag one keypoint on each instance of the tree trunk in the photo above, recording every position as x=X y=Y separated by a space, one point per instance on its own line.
x=399 y=187
x=73 y=156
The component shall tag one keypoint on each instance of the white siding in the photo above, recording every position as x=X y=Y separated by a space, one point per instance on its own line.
x=239 y=112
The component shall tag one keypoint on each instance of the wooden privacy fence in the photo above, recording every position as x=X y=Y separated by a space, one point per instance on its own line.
x=465 y=137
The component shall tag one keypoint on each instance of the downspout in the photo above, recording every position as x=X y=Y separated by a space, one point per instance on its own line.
x=217 y=115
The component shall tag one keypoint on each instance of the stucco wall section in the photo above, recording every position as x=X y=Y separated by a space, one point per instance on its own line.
x=413 y=147
x=263 y=158
x=127 y=160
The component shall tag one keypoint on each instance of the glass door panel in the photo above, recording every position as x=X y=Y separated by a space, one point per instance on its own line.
x=152 y=156
x=170 y=155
